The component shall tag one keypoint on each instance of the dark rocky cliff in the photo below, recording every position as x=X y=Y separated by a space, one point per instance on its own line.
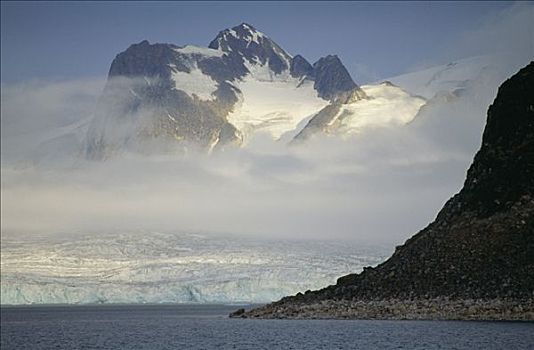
x=480 y=247
x=331 y=77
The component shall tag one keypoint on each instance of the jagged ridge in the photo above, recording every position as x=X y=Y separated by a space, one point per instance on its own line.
x=185 y=94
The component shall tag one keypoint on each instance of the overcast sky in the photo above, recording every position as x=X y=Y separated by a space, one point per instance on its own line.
x=66 y=40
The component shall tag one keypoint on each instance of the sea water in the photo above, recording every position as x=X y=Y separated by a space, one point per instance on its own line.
x=208 y=327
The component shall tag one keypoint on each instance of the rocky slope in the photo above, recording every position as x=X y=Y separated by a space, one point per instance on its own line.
x=476 y=260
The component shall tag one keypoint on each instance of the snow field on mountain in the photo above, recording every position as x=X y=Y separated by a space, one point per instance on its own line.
x=447 y=77
x=387 y=106
x=273 y=103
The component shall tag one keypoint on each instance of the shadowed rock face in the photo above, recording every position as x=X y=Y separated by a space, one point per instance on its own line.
x=144 y=60
x=331 y=77
x=481 y=245
x=300 y=67
x=140 y=106
x=503 y=169
x=319 y=123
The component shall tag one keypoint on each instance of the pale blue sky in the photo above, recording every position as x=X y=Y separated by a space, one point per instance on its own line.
x=69 y=40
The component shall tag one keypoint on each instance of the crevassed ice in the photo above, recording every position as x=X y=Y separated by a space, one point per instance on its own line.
x=179 y=268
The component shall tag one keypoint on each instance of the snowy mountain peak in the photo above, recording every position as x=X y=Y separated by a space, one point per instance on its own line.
x=209 y=97
x=247 y=26
x=248 y=32
x=246 y=41
x=242 y=32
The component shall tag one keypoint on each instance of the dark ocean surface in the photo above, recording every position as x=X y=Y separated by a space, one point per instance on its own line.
x=207 y=327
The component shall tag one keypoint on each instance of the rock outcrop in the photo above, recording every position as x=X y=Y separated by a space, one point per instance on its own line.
x=331 y=77
x=476 y=260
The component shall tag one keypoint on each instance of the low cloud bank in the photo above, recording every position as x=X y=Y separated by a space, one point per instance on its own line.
x=379 y=186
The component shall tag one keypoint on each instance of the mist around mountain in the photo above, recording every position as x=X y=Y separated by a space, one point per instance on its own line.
x=183 y=97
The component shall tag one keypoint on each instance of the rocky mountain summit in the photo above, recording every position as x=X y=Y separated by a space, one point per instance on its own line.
x=166 y=98
x=476 y=260
x=157 y=93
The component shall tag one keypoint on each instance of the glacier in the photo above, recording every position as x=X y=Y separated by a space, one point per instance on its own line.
x=273 y=103
x=155 y=267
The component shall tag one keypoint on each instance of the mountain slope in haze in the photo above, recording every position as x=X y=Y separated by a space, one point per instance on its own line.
x=191 y=94
x=384 y=104
x=476 y=260
x=265 y=103
x=454 y=76
x=166 y=97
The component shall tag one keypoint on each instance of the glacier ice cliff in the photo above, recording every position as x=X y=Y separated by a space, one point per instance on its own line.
x=171 y=268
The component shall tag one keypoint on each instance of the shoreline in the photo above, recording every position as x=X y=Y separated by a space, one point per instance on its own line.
x=436 y=309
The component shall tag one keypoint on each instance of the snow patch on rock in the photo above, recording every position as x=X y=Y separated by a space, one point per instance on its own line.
x=197 y=50
x=195 y=83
